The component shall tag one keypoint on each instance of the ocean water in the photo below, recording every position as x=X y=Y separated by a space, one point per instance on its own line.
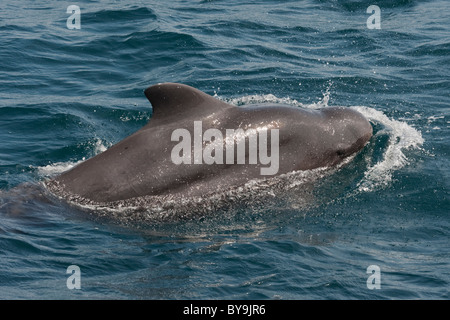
x=68 y=94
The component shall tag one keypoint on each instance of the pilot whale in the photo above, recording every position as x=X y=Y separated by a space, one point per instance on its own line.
x=195 y=144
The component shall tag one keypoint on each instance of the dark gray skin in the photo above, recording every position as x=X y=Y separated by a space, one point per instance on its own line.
x=141 y=164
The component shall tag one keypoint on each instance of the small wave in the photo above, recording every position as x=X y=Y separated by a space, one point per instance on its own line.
x=134 y=14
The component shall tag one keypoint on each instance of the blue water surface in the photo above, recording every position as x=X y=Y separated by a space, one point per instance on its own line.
x=68 y=94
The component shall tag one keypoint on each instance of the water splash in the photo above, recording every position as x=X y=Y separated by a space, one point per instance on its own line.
x=56 y=168
x=256 y=99
x=271 y=98
x=402 y=136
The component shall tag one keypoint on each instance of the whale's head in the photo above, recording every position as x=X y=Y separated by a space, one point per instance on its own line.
x=349 y=130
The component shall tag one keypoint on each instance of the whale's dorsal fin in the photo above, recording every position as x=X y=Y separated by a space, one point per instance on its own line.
x=175 y=99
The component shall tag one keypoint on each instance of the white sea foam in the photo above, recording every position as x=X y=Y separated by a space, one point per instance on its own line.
x=60 y=167
x=57 y=168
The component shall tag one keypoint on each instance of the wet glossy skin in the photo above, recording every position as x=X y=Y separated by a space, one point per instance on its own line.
x=141 y=164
